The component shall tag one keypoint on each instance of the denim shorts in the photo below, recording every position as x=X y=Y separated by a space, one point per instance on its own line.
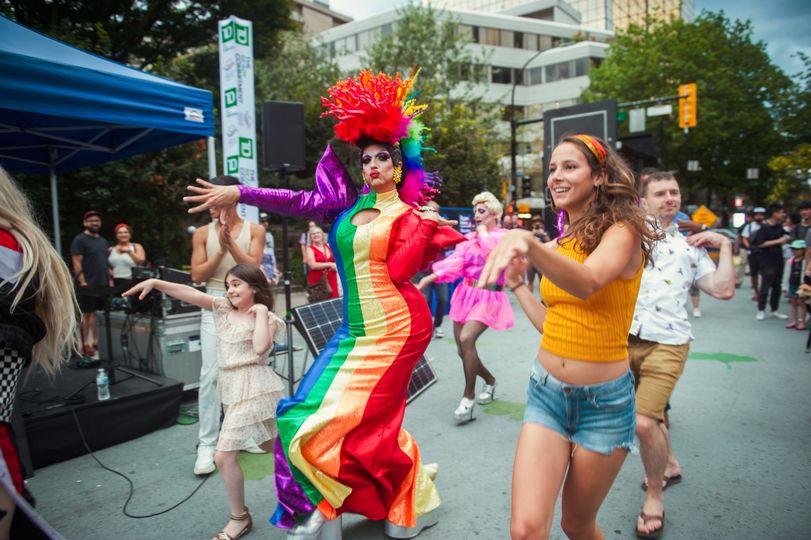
x=599 y=417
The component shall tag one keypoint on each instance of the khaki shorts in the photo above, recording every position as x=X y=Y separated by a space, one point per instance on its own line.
x=656 y=368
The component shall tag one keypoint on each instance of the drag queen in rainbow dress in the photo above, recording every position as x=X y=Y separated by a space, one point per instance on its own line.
x=341 y=445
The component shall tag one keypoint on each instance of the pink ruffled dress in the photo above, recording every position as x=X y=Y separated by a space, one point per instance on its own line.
x=470 y=303
x=247 y=386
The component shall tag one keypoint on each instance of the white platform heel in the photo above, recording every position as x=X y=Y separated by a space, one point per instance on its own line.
x=317 y=527
x=464 y=412
x=423 y=522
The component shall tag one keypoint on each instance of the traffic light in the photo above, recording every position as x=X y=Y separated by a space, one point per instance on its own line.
x=526 y=187
x=688 y=106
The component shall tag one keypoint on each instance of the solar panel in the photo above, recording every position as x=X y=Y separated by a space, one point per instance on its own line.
x=318 y=322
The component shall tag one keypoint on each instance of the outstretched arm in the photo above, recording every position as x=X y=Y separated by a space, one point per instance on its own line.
x=187 y=294
x=333 y=193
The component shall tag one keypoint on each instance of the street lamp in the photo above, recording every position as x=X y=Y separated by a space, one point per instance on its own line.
x=519 y=75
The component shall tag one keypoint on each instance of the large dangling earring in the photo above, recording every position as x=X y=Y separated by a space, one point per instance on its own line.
x=398 y=174
x=363 y=175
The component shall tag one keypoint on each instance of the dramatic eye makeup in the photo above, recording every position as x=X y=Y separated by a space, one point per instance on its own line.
x=481 y=210
x=381 y=156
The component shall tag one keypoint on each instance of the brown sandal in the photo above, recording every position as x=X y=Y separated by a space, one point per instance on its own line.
x=244 y=516
x=652 y=534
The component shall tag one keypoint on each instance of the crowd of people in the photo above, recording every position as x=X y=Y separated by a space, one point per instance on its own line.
x=610 y=310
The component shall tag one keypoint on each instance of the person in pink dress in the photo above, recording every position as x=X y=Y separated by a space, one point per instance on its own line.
x=474 y=310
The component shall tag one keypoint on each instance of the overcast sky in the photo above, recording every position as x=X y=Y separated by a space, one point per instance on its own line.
x=782 y=24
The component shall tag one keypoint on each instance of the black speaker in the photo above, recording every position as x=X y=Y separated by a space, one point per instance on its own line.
x=283 y=136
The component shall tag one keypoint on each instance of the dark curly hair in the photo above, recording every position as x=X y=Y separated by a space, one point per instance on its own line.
x=616 y=200
x=253 y=276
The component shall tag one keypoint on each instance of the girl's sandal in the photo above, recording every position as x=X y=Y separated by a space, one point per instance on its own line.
x=244 y=516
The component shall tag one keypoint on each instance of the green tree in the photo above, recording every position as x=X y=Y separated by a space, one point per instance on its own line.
x=144 y=33
x=173 y=39
x=792 y=173
x=462 y=124
x=740 y=95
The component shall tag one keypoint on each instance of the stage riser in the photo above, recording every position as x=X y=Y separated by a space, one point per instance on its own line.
x=136 y=408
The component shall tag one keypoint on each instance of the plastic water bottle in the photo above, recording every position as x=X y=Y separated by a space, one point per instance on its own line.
x=103 y=385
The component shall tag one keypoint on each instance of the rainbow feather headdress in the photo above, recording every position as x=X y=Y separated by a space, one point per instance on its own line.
x=384 y=108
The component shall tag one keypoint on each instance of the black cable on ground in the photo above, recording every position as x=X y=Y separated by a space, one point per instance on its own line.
x=125 y=477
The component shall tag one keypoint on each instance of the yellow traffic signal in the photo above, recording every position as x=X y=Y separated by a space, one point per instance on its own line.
x=688 y=105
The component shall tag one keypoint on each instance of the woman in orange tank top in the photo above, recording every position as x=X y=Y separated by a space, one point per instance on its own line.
x=580 y=418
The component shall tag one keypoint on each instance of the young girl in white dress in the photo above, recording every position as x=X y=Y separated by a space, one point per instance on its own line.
x=247 y=386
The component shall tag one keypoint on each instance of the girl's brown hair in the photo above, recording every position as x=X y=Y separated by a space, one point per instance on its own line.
x=253 y=276
x=616 y=200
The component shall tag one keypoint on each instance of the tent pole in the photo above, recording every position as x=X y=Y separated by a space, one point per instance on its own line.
x=55 y=204
x=212 y=158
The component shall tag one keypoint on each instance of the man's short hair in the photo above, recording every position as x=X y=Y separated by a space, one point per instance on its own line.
x=804 y=205
x=658 y=176
x=772 y=208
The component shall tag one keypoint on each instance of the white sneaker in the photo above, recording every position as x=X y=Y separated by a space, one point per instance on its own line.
x=778 y=315
x=254 y=450
x=760 y=315
x=205 y=460
x=438 y=333
x=696 y=313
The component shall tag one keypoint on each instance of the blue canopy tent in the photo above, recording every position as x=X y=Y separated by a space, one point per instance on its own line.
x=62 y=108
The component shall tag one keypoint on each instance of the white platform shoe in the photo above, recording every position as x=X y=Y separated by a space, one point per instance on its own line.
x=317 y=527
x=423 y=522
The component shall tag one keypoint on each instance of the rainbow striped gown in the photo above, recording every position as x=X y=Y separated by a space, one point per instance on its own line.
x=341 y=445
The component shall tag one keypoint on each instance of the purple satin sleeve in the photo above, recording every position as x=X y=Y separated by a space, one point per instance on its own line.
x=293 y=501
x=334 y=192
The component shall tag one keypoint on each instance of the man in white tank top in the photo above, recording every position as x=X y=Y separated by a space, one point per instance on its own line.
x=217 y=247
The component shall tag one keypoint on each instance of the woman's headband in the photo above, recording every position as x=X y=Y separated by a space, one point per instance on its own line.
x=594 y=146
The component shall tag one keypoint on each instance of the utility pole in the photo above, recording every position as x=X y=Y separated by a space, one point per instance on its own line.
x=514 y=126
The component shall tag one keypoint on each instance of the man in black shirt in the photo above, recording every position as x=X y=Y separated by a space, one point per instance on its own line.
x=769 y=240
x=88 y=253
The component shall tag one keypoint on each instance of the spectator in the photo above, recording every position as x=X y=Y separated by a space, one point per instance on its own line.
x=753 y=258
x=794 y=278
x=322 y=280
x=123 y=257
x=88 y=253
x=769 y=240
x=304 y=243
x=269 y=253
x=441 y=291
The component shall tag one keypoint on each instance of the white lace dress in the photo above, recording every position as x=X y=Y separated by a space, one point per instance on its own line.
x=247 y=386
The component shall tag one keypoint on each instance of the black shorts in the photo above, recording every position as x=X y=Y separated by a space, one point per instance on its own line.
x=93 y=298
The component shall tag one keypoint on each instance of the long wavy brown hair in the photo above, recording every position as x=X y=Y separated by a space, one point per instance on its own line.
x=616 y=200
x=253 y=276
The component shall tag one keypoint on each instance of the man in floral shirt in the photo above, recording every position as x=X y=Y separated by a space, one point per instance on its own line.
x=660 y=333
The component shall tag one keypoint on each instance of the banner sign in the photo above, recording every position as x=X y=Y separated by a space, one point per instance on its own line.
x=237 y=106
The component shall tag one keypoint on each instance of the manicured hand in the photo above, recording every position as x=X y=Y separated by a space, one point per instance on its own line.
x=211 y=196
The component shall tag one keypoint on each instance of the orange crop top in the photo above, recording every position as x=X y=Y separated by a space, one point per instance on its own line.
x=594 y=329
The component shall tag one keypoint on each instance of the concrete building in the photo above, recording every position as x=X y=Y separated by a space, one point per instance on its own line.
x=539 y=52
x=597 y=14
x=316 y=16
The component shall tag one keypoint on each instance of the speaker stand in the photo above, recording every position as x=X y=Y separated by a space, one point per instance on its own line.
x=288 y=277
x=109 y=364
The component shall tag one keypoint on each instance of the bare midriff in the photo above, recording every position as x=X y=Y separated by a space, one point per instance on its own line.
x=578 y=372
